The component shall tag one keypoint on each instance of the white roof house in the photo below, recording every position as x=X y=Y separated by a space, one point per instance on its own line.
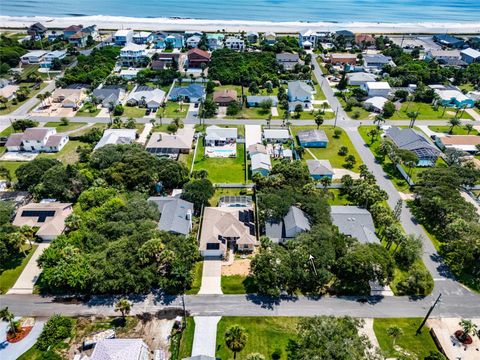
x=220 y=133
x=120 y=349
x=276 y=135
x=152 y=98
x=380 y=88
x=261 y=161
x=359 y=78
x=470 y=55
x=116 y=137
x=33 y=57
x=449 y=94
x=376 y=103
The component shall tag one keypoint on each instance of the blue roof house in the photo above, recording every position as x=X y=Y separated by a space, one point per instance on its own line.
x=192 y=93
x=320 y=169
x=313 y=138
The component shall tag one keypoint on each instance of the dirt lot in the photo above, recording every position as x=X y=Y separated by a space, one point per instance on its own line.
x=154 y=331
x=239 y=267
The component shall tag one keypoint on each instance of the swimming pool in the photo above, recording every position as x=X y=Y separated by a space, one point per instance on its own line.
x=213 y=152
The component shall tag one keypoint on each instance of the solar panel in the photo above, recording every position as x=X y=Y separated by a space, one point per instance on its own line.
x=41 y=214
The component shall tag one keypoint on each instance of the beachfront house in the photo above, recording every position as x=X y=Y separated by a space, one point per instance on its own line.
x=193 y=41
x=193 y=93
x=48 y=219
x=171 y=145
x=123 y=37
x=198 y=58
x=142 y=37
x=292 y=224
x=36 y=31
x=355 y=222
x=448 y=41
x=380 y=88
x=409 y=139
x=270 y=38
x=224 y=97
x=37 y=139
x=227 y=229
x=312 y=138
x=234 y=43
x=176 y=214
x=116 y=137
x=470 y=55
x=71 y=30
x=133 y=55
x=215 y=41
x=308 y=39
x=252 y=37
x=147 y=97
x=320 y=169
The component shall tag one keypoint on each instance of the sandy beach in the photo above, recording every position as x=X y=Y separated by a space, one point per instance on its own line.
x=174 y=24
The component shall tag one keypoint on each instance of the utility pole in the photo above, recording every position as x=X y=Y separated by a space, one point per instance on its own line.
x=419 y=330
x=310 y=257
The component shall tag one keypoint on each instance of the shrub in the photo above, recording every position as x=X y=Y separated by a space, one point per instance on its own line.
x=118 y=110
x=337 y=133
x=56 y=329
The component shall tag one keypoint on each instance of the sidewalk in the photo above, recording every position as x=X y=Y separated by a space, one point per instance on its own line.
x=205 y=336
x=211 y=277
x=30 y=274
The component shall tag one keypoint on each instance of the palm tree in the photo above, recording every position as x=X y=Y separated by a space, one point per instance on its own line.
x=236 y=339
x=394 y=332
x=373 y=134
x=413 y=115
x=454 y=122
x=41 y=97
x=379 y=119
x=318 y=120
x=124 y=306
x=178 y=122
x=468 y=328
x=469 y=128
x=8 y=316
x=47 y=95
x=326 y=182
x=4 y=101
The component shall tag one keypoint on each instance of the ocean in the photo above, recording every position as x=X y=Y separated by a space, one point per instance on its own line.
x=393 y=11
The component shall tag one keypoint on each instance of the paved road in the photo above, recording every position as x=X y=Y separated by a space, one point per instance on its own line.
x=23 y=110
x=251 y=305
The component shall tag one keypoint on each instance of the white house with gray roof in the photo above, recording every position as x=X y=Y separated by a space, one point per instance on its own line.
x=376 y=61
x=292 y=224
x=37 y=139
x=219 y=136
x=360 y=78
x=355 y=222
x=116 y=137
x=176 y=214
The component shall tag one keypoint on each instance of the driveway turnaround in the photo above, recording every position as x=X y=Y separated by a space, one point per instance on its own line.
x=13 y=351
x=211 y=277
x=205 y=336
x=29 y=275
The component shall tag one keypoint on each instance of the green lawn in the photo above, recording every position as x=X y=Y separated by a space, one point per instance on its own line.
x=63 y=128
x=467 y=87
x=84 y=131
x=331 y=151
x=222 y=170
x=357 y=112
x=67 y=155
x=250 y=113
x=12 y=166
x=133 y=112
x=219 y=192
x=7 y=132
x=88 y=110
x=186 y=342
x=319 y=95
x=197 y=280
x=417 y=346
x=337 y=199
x=265 y=335
x=237 y=284
x=457 y=130
x=173 y=110
x=427 y=112
x=11 y=107
x=11 y=270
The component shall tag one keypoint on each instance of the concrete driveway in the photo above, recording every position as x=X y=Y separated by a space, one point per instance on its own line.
x=211 y=277
x=13 y=351
x=205 y=336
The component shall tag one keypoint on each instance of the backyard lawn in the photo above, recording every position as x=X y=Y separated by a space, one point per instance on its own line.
x=417 y=346
x=427 y=112
x=222 y=170
x=265 y=335
x=11 y=270
x=457 y=130
x=219 y=192
x=68 y=155
x=133 y=112
x=331 y=151
x=63 y=128
x=336 y=199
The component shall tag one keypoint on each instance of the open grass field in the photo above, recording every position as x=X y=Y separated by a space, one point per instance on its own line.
x=331 y=151
x=417 y=346
x=265 y=335
x=63 y=128
x=11 y=270
x=250 y=113
x=427 y=112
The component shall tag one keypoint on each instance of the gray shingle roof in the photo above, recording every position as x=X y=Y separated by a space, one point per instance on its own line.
x=312 y=135
x=319 y=167
x=408 y=139
x=176 y=214
x=296 y=218
x=354 y=221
